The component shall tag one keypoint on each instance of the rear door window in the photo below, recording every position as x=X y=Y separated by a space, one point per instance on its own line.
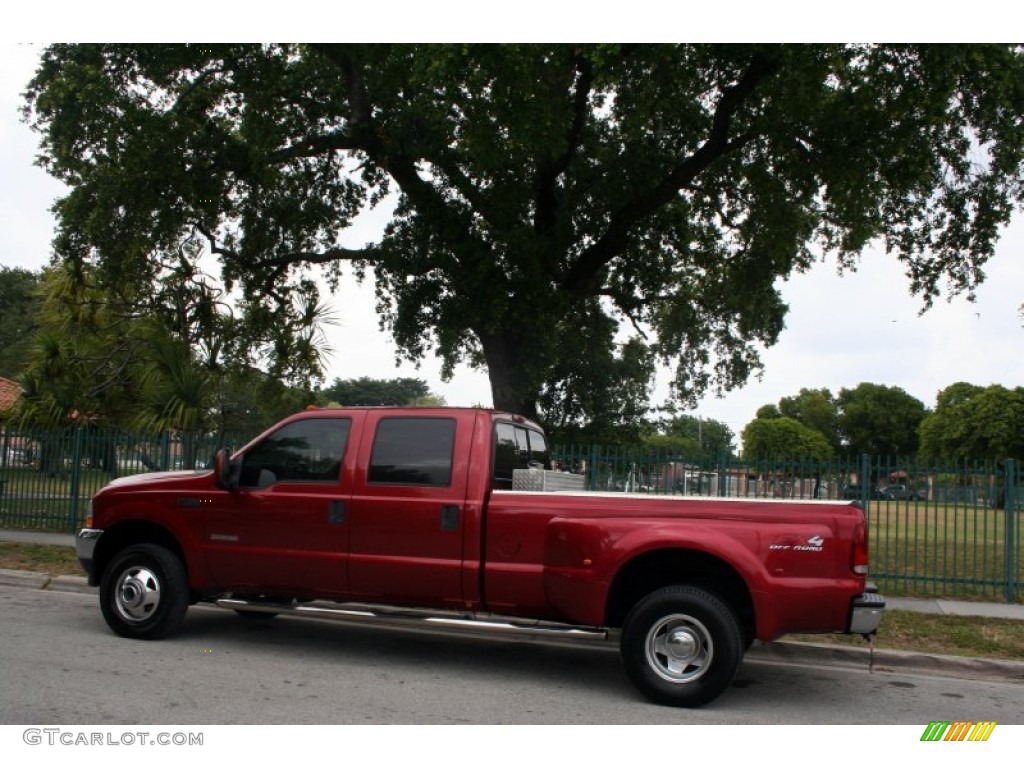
x=413 y=451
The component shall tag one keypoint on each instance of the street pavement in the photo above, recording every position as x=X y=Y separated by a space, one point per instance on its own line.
x=783 y=652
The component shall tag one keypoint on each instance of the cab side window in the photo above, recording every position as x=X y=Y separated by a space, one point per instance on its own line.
x=306 y=451
x=413 y=451
x=516 y=447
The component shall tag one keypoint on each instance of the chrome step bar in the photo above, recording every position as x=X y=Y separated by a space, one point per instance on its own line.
x=481 y=625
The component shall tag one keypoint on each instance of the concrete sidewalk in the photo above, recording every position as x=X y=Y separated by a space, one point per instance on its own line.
x=37 y=537
x=936 y=606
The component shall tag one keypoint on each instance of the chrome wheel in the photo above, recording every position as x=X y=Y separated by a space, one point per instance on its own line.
x=137 y=594
x=679 y=648
x=681 y=645
x=144 y=593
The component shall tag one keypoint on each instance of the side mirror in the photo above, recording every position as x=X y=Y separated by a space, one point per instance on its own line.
x=223 y=471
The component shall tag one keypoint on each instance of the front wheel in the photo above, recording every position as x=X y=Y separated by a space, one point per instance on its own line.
x=681 y=646
x=144 y=592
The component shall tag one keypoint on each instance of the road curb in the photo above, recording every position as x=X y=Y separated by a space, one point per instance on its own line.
x=885 y=660
x=71 y=584
x=34 y=580
x=29 y=579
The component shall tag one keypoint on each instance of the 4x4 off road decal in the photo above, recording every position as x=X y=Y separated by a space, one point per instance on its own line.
x=958 y=730
x=813 y=544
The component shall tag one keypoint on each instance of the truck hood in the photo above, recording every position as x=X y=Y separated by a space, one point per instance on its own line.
x=155 y=479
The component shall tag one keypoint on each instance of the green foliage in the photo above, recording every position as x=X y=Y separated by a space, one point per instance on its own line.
x=870 y=418
x=248 y=401
x=83 y=360
x=368 y=391
x=784 y=437
x=18 y=306
x=94 y=361
x=546 y=196
x=817 y=409
x=880 y=420
x=693 y=437
x=972 y=422
x=599 y=395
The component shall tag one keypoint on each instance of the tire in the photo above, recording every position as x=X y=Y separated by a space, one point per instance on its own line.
x=681 y=646
x=144 y=592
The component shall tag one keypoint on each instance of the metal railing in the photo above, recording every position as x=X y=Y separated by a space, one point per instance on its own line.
x=48 y=476
x=950 y=530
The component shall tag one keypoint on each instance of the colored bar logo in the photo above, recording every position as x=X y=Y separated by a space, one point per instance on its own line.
x=958 y=730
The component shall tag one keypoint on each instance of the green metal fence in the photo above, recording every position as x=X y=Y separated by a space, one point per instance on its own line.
x=935 y=529
x=939 y=530
x=48 y=477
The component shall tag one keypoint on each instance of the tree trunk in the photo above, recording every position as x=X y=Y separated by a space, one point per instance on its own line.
x=512 y=387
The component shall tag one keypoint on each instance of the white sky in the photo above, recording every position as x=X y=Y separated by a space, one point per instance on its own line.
x=840 y=330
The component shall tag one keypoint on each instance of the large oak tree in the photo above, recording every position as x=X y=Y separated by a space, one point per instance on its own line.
x=547 y=198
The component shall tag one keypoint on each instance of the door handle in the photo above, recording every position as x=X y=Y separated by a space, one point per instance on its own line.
x=449 y=517
x=336 y=512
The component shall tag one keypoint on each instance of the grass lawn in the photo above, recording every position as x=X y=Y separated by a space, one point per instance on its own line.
x=44 y=558
x=973 y=636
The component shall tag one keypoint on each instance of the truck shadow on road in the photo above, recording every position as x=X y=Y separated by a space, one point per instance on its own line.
x=596 y=669
x=585 y=669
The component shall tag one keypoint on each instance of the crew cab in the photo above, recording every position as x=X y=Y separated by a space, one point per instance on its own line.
x=411 y=512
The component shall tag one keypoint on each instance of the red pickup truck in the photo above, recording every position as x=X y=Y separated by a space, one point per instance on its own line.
x=410 y=512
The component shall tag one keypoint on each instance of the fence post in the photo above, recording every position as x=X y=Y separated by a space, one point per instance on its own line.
x=165 y=450
x=723 y=473
x=865 y=480
x=76 y=478
x=592 y=469
x=5 y=449
x=1010 y=518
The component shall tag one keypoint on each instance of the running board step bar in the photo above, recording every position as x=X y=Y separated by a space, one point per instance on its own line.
x=486 y=625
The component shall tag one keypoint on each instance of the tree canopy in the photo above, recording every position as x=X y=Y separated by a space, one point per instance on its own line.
x=693 y=437
x=973 y=422
x=549 y=201
x=94 y=359
x=19 y=303
x=816 y=409
x=879 y=419
x=869 y=418
x=784 y=437
x=368 y=391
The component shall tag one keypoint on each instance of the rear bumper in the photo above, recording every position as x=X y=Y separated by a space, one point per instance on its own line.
x=866 y=612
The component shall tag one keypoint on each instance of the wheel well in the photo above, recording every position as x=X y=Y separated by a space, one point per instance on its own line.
x=128 y=534
x=653 y=570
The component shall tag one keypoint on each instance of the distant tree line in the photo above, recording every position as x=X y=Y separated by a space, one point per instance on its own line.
x=968 y=421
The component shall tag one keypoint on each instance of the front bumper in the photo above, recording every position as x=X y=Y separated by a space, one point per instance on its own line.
x=85 y=547
x=866 y=612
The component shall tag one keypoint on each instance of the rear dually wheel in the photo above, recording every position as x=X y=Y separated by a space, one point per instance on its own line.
x=681 y=646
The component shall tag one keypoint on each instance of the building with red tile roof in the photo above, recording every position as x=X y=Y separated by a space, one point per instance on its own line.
x=9 y=394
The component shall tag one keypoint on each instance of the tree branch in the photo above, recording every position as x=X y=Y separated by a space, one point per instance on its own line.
x=578 y=281
x=311 y=146
x=548 y=173
x=278 y=263
x=321 y=257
